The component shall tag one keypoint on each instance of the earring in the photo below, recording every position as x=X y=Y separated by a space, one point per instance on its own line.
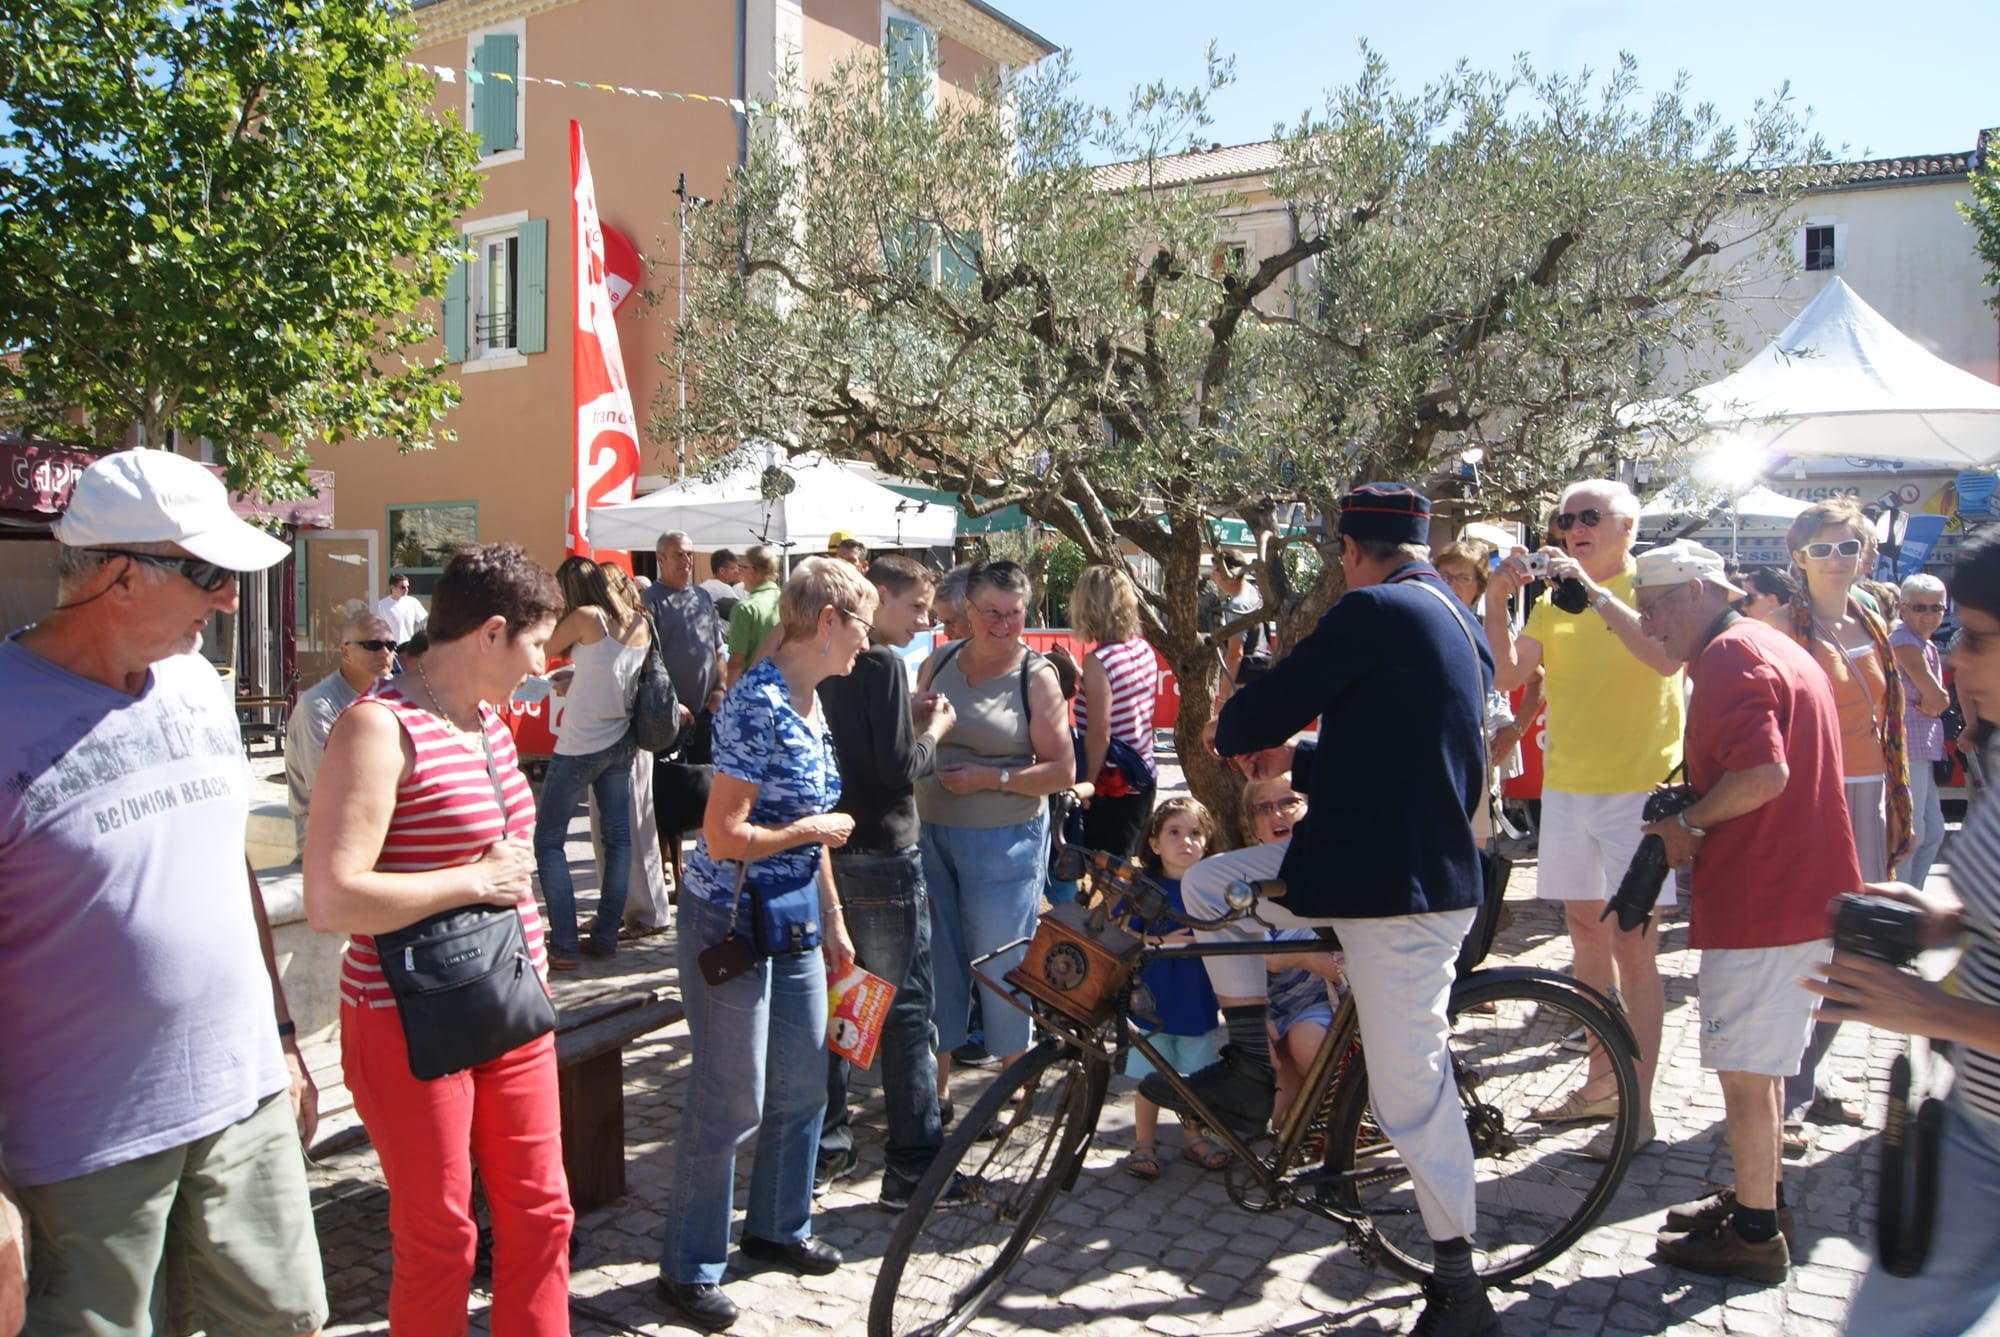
x=825 y=646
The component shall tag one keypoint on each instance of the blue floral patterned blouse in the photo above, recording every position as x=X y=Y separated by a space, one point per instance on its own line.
x=758 y=737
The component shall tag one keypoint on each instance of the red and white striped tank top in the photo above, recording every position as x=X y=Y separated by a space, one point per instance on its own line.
x=1135 y=683
x=445 y=817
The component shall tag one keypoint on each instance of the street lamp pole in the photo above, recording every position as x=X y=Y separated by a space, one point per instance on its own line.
x=680 y=311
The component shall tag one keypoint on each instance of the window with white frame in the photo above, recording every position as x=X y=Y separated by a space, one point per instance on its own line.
x=496 y=298
x=496 y=282
x=1821 y=243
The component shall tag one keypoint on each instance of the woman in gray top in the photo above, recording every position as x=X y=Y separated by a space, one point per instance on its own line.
x=985 y=810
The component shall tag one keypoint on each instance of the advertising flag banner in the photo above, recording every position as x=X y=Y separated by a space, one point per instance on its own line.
x=606 y=455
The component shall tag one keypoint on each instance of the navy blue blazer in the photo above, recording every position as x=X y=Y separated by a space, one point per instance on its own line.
x=1400 y=765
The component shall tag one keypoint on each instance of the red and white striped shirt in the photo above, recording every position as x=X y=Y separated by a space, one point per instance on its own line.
x=1135 y=683
x=445 y=817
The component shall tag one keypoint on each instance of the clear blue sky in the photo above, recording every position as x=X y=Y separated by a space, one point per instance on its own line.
x=1883 y=80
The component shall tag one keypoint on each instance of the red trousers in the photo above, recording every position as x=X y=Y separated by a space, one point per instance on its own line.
x=502 y=1118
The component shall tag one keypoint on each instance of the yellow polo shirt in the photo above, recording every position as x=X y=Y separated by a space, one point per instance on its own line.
x=1614 y=725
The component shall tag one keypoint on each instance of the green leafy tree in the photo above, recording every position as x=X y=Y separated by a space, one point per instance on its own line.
x=1983 y=213
x=958 y=294
x=218 y=217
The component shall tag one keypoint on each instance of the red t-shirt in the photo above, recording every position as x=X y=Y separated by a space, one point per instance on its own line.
x=1764 y=879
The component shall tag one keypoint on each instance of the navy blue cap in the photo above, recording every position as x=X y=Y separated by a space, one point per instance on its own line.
x=1386 y=512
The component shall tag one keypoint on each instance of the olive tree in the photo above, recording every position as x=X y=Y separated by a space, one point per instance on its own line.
x=218 y=217
x=952 y=289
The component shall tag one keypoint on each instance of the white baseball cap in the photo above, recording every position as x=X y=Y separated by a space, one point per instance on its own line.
x=1677 y=563
x=156 y=496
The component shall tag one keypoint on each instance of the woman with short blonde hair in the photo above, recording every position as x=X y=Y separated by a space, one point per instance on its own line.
x=1121 y=678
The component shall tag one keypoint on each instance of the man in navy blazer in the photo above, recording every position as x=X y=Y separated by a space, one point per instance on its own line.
x=1398 y=673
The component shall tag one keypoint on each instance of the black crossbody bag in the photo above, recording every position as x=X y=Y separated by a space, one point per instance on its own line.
x=465 y=987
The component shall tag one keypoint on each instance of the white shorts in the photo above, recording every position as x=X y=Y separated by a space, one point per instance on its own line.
x=1587 y=844
x=1754 y=1016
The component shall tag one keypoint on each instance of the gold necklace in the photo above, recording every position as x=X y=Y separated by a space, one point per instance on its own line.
x=438 y=701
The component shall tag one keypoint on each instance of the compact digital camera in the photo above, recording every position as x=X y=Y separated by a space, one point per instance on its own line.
x=1639 y=889
x=1878 y=927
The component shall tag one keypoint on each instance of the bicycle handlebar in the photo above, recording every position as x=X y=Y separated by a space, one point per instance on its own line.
x=1140 y=897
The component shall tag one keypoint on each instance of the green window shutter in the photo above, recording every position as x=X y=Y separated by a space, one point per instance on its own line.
x=456 y=285
x=531 y=321
x=958 y=264
x=903 y=53
x=493 y=114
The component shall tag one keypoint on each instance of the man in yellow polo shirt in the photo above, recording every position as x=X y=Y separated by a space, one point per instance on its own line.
x=1614 y=731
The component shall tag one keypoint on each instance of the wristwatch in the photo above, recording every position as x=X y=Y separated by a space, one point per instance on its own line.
x=1004 y=773
x=1688 y=826
x=1603 y=598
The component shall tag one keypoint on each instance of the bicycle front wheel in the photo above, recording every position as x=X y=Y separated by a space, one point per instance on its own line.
x=978 y=1206
x=1521 y=1042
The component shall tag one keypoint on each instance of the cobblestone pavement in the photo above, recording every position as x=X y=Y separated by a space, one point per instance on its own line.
x=1176 y=1256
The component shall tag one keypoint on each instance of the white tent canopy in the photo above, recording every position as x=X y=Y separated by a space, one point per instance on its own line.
x=1842 y=381
x=1759 y=504
x=733 y=512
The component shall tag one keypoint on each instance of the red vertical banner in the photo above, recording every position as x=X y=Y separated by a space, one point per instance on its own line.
x=606 y=456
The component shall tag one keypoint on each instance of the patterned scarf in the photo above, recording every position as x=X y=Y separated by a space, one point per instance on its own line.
x=1888 y=724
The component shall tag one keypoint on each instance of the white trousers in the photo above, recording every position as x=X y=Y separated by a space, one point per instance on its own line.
x=1401 y=970
x=646 y=888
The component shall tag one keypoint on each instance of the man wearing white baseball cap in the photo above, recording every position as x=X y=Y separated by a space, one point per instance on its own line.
x=1763 y=753
x=151 y=1073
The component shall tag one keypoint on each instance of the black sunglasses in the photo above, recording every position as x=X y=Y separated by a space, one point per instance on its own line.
x=372 y=645
x=1589 y=519
x=204 y=576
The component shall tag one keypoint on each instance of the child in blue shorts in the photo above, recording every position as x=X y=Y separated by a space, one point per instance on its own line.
x=1177 y=835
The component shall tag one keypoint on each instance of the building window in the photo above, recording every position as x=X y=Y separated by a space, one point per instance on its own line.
x=494 y=98
x=1819 y=246
x=910 y=57
x=496 y=299
x=422 y=539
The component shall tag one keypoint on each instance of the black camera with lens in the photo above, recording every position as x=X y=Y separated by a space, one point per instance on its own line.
x=1878 y=927
x=1639 y=889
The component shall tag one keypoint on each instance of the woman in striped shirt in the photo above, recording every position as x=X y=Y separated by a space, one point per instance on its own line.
x=421 y=807
x=1960 y=1282
x=1121 y=681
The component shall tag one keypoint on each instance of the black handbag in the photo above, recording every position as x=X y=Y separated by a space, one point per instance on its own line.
x=465 y=987
x=655 y=710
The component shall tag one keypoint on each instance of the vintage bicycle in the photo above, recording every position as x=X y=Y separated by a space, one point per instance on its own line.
x=1514 y=1049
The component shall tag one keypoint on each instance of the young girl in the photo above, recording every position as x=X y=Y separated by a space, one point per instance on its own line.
x=1177 y=835
x=1301 y=1003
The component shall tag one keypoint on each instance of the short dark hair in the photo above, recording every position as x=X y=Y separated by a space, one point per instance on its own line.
x=486 y=580
x=1770 y=580
x=998 y=575
x=896 y=574
x=721 y=557
x=1975 y=573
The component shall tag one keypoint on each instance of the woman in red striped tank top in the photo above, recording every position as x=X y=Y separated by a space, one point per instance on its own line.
x=1120 y=687
x=406 y=822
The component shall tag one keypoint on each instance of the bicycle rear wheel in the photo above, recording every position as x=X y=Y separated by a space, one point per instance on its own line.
x=948 y=1257
x=1539 y=1186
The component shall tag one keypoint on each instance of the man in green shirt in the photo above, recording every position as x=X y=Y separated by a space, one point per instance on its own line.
x=753 y=619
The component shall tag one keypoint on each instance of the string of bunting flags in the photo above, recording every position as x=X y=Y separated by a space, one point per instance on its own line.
x=450 y=75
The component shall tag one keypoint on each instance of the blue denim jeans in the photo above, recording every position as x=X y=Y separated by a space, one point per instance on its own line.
x=608 y=775
x=1927 y=815
x=985 y=885
x=889 y=917
x=1959 y=1284
x=759 y=1071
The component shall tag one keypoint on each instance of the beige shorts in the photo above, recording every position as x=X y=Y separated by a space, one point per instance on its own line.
x=1755 y=1017
x=223 y=1225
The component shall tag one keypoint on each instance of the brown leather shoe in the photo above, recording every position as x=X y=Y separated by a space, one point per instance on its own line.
x=1718 y=1208
x=1720 y=1251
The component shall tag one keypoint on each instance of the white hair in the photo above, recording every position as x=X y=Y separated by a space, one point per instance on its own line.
x=1922 y=584
x=660 y=544
x=1623 y=500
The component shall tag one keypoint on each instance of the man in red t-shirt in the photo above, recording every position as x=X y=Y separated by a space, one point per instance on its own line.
x=1763 y=751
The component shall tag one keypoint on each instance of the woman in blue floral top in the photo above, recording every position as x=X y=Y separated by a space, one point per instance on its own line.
x=759 y=1039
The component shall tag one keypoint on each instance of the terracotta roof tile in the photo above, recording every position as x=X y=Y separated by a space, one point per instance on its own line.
x=1217 y=163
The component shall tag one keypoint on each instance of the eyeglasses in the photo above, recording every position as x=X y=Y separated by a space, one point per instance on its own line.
x=864 y=623
x=1589 y=519
x=1819 y=552
x=204 y=576
x=1000 y=614
x=1923 y=608
x=1278 y=807
x=377 y=646
x=1459 y=578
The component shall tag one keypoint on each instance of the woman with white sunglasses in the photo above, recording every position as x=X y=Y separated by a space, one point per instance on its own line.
x=1828 y=543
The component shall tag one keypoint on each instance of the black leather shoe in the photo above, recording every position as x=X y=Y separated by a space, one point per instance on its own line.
x=1237 y=1089
x=701 y=1303
x=814 y=1257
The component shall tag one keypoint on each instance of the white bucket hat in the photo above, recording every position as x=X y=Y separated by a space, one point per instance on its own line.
x=156 y=496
